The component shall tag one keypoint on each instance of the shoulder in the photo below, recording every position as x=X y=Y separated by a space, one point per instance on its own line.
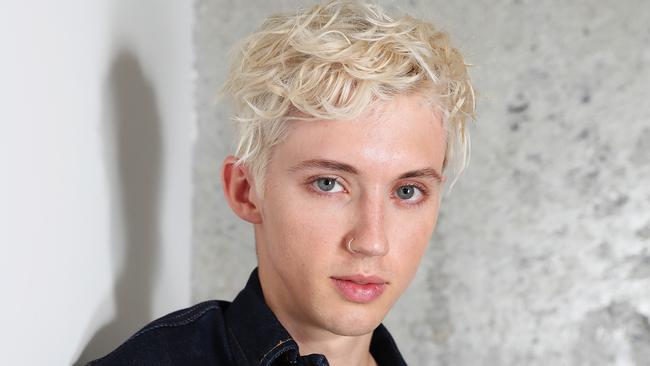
x=195 y=335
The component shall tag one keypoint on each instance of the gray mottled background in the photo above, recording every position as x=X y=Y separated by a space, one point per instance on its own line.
x=542 y=252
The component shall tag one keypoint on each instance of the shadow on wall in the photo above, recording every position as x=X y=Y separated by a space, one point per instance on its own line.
x=133 y=155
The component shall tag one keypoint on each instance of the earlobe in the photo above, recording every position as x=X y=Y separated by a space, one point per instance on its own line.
x=238 y=189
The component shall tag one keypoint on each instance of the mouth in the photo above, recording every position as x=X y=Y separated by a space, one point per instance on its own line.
x=359 y=288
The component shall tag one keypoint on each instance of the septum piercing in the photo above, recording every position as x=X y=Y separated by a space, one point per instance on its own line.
x=350 y=247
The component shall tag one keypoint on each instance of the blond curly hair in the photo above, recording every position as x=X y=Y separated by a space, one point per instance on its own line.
x=332 y=61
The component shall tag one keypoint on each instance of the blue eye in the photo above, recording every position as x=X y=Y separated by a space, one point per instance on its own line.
x=326 y=184
x=408 y=192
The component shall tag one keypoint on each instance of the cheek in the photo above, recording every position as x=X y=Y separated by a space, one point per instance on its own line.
x=300 y=229
x=411 y=236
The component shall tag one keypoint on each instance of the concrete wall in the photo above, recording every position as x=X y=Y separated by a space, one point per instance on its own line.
x=542 y=253
x=95 y=135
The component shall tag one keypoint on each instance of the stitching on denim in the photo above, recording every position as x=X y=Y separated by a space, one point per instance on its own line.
x=202 y=310
x=238 y=345
x=195 y=308
x=272 y=349
x=185 y=312
x=181 y=322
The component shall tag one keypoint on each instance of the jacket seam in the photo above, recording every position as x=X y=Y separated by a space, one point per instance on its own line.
x=177 y=323
x=201 y=312
x=272 y=349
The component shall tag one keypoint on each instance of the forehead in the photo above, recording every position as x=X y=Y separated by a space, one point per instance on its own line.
x=401 y=134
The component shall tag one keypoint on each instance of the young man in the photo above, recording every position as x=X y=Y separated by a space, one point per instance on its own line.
x=348 y=120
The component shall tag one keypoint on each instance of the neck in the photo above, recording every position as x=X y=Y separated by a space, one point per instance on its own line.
x=339 y=350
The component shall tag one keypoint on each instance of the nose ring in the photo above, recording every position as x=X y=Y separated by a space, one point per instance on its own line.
x=350 y=247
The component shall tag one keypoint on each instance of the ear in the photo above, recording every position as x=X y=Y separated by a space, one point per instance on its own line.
x=239 y=190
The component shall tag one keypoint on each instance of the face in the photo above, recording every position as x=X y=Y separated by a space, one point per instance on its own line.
x=375 y=181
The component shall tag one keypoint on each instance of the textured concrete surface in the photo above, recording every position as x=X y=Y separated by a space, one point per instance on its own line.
x=542 y=252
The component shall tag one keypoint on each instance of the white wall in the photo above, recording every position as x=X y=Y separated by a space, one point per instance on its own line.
x=95 y=139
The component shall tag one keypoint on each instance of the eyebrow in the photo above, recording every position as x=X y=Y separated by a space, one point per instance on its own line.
x=324 y=164
x=423 y=173
x=343 y=167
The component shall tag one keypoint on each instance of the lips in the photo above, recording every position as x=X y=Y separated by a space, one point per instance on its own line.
x=359 y=288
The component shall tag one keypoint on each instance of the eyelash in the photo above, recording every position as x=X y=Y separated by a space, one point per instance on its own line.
x=421 y=188
x=310 y=184
x=425 y=192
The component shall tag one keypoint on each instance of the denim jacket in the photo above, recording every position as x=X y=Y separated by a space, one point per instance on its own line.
x=242 y=333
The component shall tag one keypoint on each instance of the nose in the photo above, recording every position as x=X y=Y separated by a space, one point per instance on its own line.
x=368 y=236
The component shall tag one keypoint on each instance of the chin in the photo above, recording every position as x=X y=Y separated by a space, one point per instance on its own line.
x=354 y=322
x=352 y=330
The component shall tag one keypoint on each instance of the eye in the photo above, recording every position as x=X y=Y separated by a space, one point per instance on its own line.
x=326 y=184
x=409 y=193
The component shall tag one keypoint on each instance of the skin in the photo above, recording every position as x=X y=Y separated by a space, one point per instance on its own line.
x=302 y=231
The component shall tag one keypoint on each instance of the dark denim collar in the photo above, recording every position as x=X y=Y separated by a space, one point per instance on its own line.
x=258 y=338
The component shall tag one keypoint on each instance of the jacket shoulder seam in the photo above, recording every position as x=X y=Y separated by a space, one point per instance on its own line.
x=184 y=318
